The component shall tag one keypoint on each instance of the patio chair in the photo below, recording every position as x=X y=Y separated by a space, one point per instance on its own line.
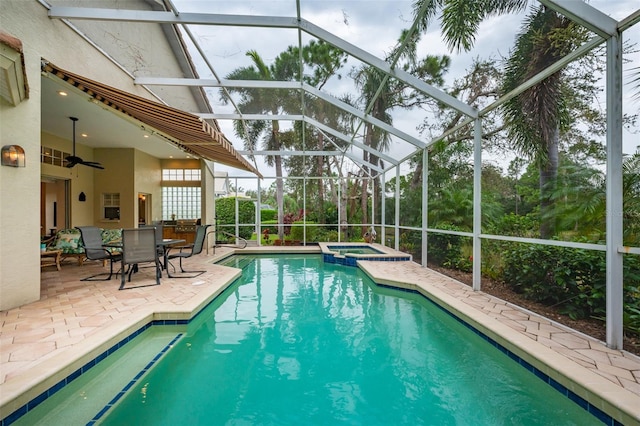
x=91 y=239
x=188 y=251
x=138 y=246
x=158 y=232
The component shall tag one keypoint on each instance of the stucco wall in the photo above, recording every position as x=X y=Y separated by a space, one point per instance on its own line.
x=120 y=179
x=147 y=180
x=20 y=198
x=145 y=49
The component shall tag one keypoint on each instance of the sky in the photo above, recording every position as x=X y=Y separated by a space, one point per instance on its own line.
x=374 y=26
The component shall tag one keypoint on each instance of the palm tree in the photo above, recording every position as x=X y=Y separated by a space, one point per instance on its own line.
x=461 y=18
x=381 y=94
x=324 y=62
x=534 y=118
x=631 y=199
x=265 y=101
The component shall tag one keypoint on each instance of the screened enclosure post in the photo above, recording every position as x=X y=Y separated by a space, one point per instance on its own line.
x=304 y=209
x=339 y=209
x=215 y=213
x=259 y=215
x=477 y=203
x=425 y=204
x=614 y=236
x=397 y=224
x=383 y=209
x=373 y=202
x=237 y=227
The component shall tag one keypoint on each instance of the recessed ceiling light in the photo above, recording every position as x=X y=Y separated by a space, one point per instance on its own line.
x=84 y=135
x=171 y=156
x=146 y=136
x=61 y=93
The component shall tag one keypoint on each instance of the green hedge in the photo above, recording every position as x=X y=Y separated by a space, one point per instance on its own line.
x=225 y=215
x=271 y=225
x=268 y=214
x=572 y=279
x=446 y=249
x=297 y=231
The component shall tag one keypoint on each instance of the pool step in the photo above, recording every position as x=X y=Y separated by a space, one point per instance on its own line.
x=239 y=262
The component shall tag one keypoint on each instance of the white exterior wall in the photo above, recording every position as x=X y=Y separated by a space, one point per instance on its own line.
x=54 y=41
x=20 y=196
x=145 y=53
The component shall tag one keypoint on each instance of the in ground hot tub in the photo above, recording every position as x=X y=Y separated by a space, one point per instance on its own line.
x=363 y=249
x=349 y=253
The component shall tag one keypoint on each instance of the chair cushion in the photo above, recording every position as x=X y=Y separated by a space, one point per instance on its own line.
x=68 y=240
x=110 y=236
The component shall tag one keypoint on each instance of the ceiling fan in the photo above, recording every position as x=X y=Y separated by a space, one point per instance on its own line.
x=72 y=160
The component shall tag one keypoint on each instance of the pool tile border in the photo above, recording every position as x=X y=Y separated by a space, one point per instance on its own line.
x=135 y=380
x=13 y=417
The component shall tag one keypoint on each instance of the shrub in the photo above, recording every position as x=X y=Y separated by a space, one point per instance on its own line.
x=443 y=249
x=226 y=215
x=297 y=231
x=271 y=225
x=573 y=279
x=290 y=218
x=324 y=235
x=268 y=214
x=516 y=225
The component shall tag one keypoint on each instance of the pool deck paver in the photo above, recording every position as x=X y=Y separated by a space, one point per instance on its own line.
x=43 y=341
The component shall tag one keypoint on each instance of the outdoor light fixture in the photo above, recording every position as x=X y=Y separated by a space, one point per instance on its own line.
x=13 y=155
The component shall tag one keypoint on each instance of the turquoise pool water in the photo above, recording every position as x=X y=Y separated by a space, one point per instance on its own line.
x=297 y=341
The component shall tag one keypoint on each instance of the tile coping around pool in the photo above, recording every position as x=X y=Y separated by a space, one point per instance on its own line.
x=560 y=371
x=384 y=254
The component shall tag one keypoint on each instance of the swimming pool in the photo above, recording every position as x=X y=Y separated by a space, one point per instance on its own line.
x=296 y=340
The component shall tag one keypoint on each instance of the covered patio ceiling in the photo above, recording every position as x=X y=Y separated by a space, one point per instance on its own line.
x=187 y=132
x=297 y=27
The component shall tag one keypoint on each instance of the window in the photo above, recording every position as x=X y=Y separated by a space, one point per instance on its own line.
x=111 y=206
x=181 y=174
x=53 y=156
x=180 y=202
x=181 y=194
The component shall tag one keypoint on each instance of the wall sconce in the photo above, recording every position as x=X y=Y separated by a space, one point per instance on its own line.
x=82 y=197
x=13 y=155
